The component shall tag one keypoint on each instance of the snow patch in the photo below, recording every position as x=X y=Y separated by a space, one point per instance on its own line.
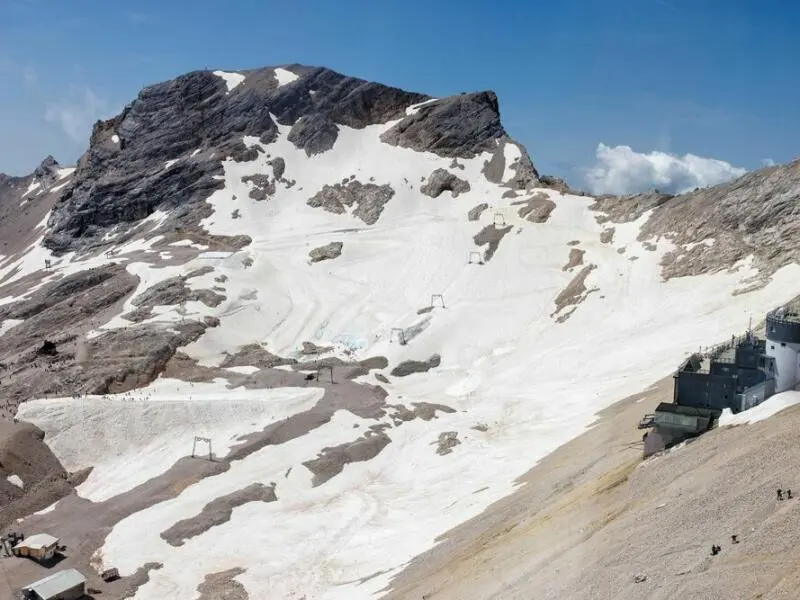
x=8 y=324
x=231 y=79
x=285 y=77
x=115 y=138
x=15 y=480
x=766 y=409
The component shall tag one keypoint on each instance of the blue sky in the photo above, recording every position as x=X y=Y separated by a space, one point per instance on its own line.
x=715 y=78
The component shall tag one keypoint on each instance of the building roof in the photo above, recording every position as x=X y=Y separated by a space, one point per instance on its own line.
x=38 y=541
x=669 y=407
x=57 y=583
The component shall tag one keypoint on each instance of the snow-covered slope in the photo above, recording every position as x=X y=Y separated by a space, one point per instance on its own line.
x=539 y=319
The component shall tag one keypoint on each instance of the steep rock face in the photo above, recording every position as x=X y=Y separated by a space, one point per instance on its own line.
x=459 y=126
x=195 y=121
x=164 y=151
x=314 y=133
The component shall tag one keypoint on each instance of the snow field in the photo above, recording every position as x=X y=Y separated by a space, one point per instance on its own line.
x=536 y=384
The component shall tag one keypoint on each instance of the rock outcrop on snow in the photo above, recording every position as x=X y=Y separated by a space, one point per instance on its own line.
x=326 y=252
x=442 y=180
x=369 y=199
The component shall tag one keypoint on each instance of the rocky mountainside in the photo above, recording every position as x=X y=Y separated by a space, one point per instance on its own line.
x=195 y=121
x=368 y=300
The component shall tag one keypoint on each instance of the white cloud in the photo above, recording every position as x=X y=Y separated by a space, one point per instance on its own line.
x=620 y=170
x=768 y=162
x=77 y=113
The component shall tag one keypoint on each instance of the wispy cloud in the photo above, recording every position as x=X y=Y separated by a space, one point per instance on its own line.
x=76 y=113
x=767 y=162
x=137 y=17
x=17 y=70
x=621 y=170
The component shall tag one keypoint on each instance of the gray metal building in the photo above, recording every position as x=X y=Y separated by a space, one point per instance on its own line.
x=69 y=584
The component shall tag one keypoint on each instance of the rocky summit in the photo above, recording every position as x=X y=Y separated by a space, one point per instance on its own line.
x=275 y=319
x=198 y=119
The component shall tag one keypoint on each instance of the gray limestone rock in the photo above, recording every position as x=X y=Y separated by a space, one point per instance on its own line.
x=369 y=199
x=331 y=461
x=536 y=209
x=475 y=213
x=217 y=512
x=458 y=126
x=446 y=442
x=326 y=252
x=491 y=236
x=416 y=366
x=278 y=167
x=442 y=180
x=314 y=133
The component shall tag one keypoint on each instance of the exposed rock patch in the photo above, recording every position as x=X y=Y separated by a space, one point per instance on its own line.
x=574 y=293
x=491 y=236
x=459 y=126
x=326 y=252
x=217 y=512
x=315 y=133
x=536 y=209
x=331 y=461
x=310 y=348
x=607 y=235
x=173 y=291
x=475 y=213
x=409 y=367
x=256 y=356
x=442 y=180
x=446 y=442
x=223 y=586
x=369 y=199
x=575 y=259
x=263 y=186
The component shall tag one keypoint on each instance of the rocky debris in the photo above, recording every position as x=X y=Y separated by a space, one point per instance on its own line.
x=575 y=293
x=310 y=349
x=217 y=512
x=624 y=209
x=536 y=209
x=475 y=213
x=446 y=442
x=256 y=356
x=326 y=252
x=482 y=427
x=24 y=454
x=409 y=367
x=490 y=236
x=558 y=184
x=173 y=291
x=263 y=186
x=381 y=377
x=575 y=259
x=458 y=127
x=427 y=411
x=454 y=164
x=137 y=315
x=223 y=586
x=607 y=235
x=442 y=180
x=331 y=461
x=315 y=133
x=369 y=199
x=278 y=167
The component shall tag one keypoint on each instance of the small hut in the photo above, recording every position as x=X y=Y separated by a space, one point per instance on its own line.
x=41 y=547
